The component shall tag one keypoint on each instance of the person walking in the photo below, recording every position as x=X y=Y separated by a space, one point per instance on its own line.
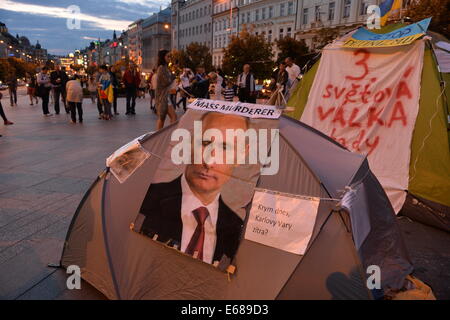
x=246 y=84
x=12 y=88
x=142 y=88
x=151 y=91
x=97 y=75
x=31 y=88
x=115 y=85
x=185 y=86
x=2 y=114
x=131 y=80
x=164 y=82
x=74 y=98
x=105 y=86
x=293 y=71
x=228 y=92
x=218 y=87
x=92 y=88
x=59 y=78
x=43 y=89
x=282 y=77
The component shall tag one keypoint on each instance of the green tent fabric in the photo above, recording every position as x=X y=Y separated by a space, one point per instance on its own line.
x=430 y=156
x=429 y=172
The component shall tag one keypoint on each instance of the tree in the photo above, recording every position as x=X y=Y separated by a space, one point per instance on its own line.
x=198 y=55
x=324 y=36
x=5 y=69
x=21 y=67
x=179 y=60
x=248 y=48
x=290 y=47
x=439 y=10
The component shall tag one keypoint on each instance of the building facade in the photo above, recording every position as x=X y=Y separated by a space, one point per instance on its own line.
x=191 y=22
x=225 y=24
x=274 y=19
x=156 y=35
x=135 y=42
x=20 y=47
x=313 y=15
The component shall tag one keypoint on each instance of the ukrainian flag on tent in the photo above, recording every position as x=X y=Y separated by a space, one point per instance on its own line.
x=387 y=7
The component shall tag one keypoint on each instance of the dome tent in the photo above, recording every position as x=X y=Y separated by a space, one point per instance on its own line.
x=123 y=264
x=427 y=189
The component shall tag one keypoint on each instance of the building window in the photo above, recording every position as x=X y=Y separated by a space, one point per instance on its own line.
x=201 y=12
x=205 y=28
x=290 y=8
x=201 y=29
x=270 y=12
x=317 y=13
x=363 y=8
x=289 y=32
x=263 y=14
x=197 y=14
x=347 y=5
x=282 y=8
x=269 y=36
x=257 y=15
x=248 y=17
x=331 y=11
x=281 y=33
x=305 y=16
x=243 y=18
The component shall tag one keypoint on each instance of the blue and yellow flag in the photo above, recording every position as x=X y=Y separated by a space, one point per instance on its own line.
x=387 y=7
x=363 y=38
x=107 y=91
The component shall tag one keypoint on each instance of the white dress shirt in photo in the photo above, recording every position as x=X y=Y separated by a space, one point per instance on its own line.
x=189 y=203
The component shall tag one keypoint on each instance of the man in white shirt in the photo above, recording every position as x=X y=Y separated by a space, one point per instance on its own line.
x=293 y=71
x=188 y=212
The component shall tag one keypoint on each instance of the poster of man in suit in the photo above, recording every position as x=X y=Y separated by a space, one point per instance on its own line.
x=199 y=208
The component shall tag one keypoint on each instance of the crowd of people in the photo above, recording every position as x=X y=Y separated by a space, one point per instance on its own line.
x=167 y=90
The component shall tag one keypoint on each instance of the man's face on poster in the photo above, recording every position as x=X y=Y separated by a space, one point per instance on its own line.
x=209 y=178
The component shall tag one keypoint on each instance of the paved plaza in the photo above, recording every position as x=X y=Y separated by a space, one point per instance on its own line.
x=46 y=166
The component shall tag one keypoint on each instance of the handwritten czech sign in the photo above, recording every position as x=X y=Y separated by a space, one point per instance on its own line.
x=368 y=100
x=282 y=221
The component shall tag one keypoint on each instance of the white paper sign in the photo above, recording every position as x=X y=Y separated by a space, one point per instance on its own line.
x=126 y=160
x=282 y=221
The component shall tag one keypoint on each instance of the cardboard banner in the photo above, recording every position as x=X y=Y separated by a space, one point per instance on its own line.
x=249 y=110
x=282 y=221
x=363 y=38
x=368 y=100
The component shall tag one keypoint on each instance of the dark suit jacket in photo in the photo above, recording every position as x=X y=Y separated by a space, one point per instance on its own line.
x=162 y=210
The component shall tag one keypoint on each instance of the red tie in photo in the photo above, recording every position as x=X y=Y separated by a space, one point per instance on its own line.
x=197 y=240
